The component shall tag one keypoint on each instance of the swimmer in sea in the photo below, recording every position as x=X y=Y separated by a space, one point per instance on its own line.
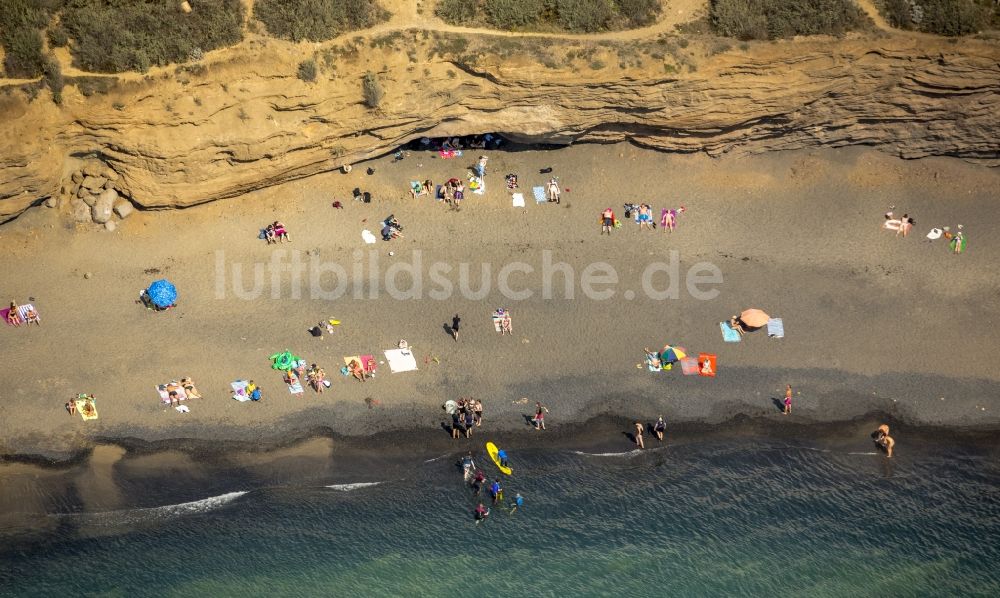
x=496 y=491
x=468 y=466
x=477 y=482
x=518 y=502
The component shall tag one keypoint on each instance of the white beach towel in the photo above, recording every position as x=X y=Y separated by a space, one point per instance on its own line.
x=240 y=390
x=518 y=200
x=935 y=234
x=368 y=237
x=775 y=328
x=400 y=360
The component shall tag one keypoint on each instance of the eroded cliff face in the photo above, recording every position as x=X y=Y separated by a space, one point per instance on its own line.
x=245 y=121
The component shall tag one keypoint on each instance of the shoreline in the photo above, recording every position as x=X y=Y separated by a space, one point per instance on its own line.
x=598 y=432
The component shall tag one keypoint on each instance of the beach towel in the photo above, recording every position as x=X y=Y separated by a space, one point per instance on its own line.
x=477 y=185
x=164 y=392
x=368 y=237
x=446 y=154
x=775 y=328
x=23 y=312
x=240 y=390
x=728 y=334
x=497 y=323
x=935 y=234
x=707 y=364
x=3 y=314
x=518 y=199
x=400 y=360
x=689 y=366
x=892 y=224
x=87 y=408
x=369 y=363
x=295 y=388
x=539 y=193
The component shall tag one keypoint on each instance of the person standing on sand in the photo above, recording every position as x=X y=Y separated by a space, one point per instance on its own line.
x=788 y=399
x=470 y=422
x=478 y=410
x=540 y=411
x=660 y=427
x=638 y=435
x=456 y=420
x=454 y=326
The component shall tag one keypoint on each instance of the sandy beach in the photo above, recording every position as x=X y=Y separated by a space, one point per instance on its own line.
x=874 y=322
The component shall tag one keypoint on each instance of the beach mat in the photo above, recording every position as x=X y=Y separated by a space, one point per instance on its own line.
x=84 y=413
x=497 y=323
x=165 y=394
x=775 y=328
x=240 y=390
x=707 y=365
x=728 y=334
x=368 y=237
x=400 y=360
x=23 y=310
x=3 y=314
x=518 y=199
x=296 y=387
x=539 y=193
x=689 y=366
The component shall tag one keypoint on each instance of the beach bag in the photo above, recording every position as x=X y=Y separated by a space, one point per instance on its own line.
x=263 y=234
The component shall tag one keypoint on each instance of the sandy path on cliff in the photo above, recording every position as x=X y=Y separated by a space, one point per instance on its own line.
x=872 y=321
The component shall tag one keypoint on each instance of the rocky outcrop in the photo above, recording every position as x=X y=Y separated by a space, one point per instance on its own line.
x=248 y=123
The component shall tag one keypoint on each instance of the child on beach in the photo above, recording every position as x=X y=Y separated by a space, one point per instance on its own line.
x=788 y=399
x=660 y=427
x=638 y=435
x=540 y=411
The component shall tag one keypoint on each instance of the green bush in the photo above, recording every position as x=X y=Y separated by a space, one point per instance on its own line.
x=58 y=38
x=942 y=17
x=317 y=20
x=20 y=25
x=121 y=35
x=372 y=91
x=584 y=15
x=774 y=19
x=54 y=78
x=566 y=15
x=307 y=70
x=459 y=12
x=638 y=13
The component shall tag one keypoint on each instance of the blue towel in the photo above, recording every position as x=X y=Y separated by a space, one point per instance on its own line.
x=728 y=334
x=539 y=193
x=776 y=328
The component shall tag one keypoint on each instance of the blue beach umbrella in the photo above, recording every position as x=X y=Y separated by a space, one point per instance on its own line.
x=162 y=293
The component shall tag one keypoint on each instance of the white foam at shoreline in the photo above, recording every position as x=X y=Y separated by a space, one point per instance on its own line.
x=131 y=516
x=354 y=486
x=630 y=453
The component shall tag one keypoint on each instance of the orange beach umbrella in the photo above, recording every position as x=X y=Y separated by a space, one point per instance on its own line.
x=754 y=318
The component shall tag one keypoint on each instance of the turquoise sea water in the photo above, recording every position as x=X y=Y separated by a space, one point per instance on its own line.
x=746 y=517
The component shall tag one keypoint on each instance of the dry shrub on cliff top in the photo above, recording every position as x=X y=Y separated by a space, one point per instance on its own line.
x=566 y=15
x=20 y=34
x=317 y=20
x=774 y=19
x=942 y=17
x=121 y=35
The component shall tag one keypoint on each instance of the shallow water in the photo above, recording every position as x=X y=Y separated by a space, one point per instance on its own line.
x=750 y=517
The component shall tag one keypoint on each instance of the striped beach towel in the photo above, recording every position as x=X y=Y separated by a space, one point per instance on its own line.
x=539 y=193
x=775 y=328
x=23 y=312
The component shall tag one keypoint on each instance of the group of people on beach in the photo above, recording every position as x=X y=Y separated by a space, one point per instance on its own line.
x=903 y=226
x=659 y=429
x=275 y=233
x=466 y=414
